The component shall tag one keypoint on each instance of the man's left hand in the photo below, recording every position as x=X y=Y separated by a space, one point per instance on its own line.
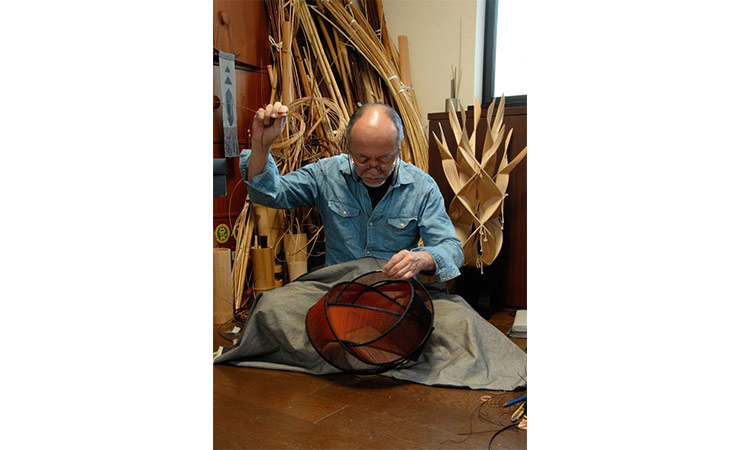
x=405 y=264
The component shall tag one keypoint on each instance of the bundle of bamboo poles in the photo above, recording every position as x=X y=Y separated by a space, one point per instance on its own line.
x=350 y=21
x=342 y=51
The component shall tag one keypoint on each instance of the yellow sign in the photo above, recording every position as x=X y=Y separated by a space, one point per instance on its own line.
x=222 y=233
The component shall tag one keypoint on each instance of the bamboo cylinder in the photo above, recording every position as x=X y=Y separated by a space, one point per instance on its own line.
x=286 y=65
x=296 y=254
x=403 y=56
x=270 y=224
x=263 y=221
x=223 y=304
x=263 y=260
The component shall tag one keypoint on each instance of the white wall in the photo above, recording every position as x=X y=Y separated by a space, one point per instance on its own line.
x=433 y=30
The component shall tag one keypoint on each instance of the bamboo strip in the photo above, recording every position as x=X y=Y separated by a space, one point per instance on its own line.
x=496 y=133
x=343 y=67
x=328 y=42
x=243 y=232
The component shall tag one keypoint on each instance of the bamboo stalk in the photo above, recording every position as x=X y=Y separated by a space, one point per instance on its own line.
x=403 y=53
x=273 y=82
x=287 y=64
x=343 y=66
x=303 y=77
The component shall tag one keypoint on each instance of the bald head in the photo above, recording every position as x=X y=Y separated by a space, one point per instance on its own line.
x=375 y=119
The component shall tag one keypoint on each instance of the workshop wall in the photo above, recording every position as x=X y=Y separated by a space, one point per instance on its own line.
x=248 y=23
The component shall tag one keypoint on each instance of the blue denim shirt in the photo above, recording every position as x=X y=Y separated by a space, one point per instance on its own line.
x=413 y=207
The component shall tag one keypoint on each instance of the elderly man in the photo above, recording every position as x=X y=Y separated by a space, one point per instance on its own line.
x=371 y=202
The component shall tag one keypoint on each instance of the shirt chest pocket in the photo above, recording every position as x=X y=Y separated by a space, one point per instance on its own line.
x=403 y=228
x=343 y=210
x=342 y=220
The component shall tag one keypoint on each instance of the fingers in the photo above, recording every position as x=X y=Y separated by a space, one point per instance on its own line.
x=266 y=116
x=392 y=267
x=402 y=266
x=268 y=124
x=275 y=110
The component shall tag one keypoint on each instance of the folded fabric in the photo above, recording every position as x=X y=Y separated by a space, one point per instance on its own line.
x=464 y=350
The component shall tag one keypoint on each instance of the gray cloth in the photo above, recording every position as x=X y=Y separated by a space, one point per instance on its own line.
x=464 y=350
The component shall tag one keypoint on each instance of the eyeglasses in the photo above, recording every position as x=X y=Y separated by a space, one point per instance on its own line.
x=385 y=162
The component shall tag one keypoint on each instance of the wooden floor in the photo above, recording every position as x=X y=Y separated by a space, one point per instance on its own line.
x=254 y=408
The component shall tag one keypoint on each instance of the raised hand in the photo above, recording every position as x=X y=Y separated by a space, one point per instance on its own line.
x=268 y=125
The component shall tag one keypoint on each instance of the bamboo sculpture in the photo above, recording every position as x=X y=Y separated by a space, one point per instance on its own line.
x=477 y=208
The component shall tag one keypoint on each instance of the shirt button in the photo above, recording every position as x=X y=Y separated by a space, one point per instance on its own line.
x=344 y=212
x=371 y=224
x=367 y=252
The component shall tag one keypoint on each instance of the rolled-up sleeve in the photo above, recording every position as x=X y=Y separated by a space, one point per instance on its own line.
x=292 y=190
x=438 y=234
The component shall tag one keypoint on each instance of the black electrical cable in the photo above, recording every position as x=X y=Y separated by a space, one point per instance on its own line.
x=499 y=431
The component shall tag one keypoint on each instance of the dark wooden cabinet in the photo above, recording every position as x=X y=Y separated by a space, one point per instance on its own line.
x=248 y=23
x=504 y=283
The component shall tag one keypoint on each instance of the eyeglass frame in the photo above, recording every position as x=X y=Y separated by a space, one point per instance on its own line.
x=380 y=167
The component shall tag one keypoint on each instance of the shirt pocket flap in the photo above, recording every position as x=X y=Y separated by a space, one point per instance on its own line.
x=400 y=222
x=343 y=209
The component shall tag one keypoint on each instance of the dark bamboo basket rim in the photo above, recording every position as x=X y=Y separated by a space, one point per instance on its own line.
x=379 y=367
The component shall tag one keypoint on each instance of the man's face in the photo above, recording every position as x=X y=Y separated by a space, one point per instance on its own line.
x=373 y=167
x=373 y=148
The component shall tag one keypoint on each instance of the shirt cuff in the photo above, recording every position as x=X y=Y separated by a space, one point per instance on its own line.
x=444 y=270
